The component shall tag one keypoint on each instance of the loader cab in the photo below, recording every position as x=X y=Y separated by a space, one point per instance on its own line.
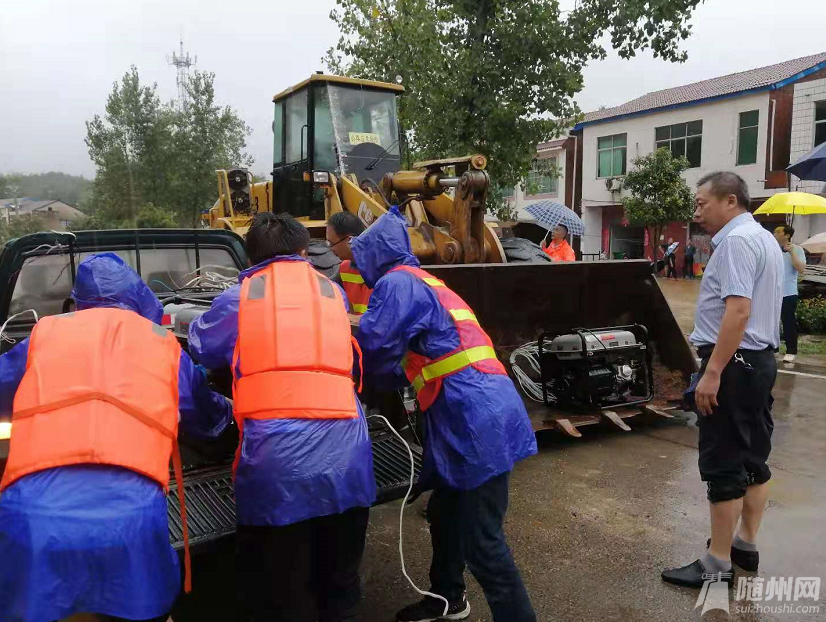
x=334 y=124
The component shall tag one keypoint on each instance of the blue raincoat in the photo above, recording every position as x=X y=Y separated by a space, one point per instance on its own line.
x=478 y=427
x=290 y=469
x=93 y=538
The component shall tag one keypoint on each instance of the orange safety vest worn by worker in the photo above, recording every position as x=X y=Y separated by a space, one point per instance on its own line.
x=561 y=251
x=118 y=408
x=475 y=347
x=294 y=347
x=357 y=292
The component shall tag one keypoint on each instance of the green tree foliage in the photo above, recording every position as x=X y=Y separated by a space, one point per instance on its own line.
x=659 y=194
x=149 y=153
x=495 y=77
x=19 y=226
x=70 y=189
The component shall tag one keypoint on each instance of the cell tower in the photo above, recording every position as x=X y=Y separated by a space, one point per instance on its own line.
x=182 y=63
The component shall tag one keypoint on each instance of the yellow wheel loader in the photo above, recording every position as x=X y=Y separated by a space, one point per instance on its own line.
x=587 y=342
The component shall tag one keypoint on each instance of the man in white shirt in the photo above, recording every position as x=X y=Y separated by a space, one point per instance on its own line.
x=736 y=331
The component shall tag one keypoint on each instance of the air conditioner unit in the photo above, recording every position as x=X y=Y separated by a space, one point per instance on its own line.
x=613 y=184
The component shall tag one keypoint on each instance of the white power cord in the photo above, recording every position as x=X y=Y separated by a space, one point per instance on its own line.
x=3 y=335
x=401 y=514
x=529 y=352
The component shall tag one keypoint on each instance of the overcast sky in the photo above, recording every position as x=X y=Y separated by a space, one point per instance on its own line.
x=59 y=58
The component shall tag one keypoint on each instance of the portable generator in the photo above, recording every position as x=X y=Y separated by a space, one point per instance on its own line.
x=595 y=368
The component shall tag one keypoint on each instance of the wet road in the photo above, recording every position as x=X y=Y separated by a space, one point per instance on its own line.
x=593 y=521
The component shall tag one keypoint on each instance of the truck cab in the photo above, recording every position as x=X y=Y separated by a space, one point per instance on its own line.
x=337 y=125
x=187 y=269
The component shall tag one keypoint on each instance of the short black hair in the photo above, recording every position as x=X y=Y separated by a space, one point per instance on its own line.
x=787 y=230
x=564 y=227
x=346 y=223
x=275 y=234
x=724 y=183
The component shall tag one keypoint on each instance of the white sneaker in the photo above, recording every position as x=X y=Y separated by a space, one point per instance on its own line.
x=789 y=358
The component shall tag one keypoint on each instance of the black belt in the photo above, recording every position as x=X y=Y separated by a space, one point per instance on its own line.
x=704 y=352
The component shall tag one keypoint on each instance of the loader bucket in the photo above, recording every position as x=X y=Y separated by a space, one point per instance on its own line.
x=515 y=303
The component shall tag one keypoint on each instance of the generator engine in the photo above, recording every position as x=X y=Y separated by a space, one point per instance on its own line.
x=596 y=368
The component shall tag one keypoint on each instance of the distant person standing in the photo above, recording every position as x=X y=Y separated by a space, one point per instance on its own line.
x=671 y=258
x=559 y=249
x=736 y=331
x=794 y=262
x=688 y=261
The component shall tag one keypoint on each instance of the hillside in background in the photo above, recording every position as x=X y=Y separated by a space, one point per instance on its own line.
x=70 y=189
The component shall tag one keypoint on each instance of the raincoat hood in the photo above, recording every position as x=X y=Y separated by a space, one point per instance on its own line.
x=104 y=280
x=382 y=247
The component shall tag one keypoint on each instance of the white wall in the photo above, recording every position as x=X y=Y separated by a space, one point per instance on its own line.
x=719 y=151
x=803 y=114
x=521 y=200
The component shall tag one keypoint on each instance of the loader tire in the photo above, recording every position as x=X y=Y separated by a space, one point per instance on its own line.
x=323 y=259
x=520 y=250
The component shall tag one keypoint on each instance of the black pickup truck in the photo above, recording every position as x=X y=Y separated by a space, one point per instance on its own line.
x=37 y=272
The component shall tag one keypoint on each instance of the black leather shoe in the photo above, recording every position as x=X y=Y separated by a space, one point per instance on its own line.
x=693 y=575
x=747 y=560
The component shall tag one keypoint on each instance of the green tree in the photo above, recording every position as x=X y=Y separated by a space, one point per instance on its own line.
x=151 y=153
x=208 y=137
x=153 y=217
x=496 y=77
x=19 y=226
x=659 y=194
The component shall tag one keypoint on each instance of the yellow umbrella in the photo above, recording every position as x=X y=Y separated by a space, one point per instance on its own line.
x=794 y=203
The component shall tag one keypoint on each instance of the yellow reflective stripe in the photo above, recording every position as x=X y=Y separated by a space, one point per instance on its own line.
x=463 y=314
x=359 y=308
x=433 y=282
x=418 y=383
x=348 y=277
x=456 y=362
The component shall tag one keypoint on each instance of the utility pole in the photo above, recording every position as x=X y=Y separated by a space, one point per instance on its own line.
x=182 y=62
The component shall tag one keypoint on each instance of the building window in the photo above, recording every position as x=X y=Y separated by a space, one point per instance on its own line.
x=684 y=139
x=611 y=155
x=820 y=122
x=747 y=137
x=539 y=182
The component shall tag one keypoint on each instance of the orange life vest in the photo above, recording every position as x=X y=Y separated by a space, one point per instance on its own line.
x=353 y=283
x=294 y=347
x=475 y=347
x=100 y=387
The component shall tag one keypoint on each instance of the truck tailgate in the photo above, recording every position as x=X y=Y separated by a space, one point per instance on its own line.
x=210 y=501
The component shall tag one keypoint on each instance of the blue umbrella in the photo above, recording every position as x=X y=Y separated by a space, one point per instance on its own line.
x=812 y=165
x=549 y=214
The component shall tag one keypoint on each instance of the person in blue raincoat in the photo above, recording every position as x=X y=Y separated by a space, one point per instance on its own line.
x=304 y=483
x=476 y=426
x=93 y=538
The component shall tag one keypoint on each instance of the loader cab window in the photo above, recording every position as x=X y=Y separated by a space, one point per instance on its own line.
x=296 y=126
x=278 y=134
x=354 y=126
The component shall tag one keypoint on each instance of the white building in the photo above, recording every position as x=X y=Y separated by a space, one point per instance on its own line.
x=752 y=123
x=544 y=187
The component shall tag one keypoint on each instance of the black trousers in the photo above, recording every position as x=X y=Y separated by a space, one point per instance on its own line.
x=688 y=268
x=735 y=439
x=307 y=571
x=466 y=528
x=788 y=317
x=672 y=267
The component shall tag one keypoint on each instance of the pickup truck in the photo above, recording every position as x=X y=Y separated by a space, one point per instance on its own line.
x=37 y=272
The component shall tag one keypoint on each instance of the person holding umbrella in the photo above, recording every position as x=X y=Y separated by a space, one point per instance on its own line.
x=559 y=220
x=559 y=249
